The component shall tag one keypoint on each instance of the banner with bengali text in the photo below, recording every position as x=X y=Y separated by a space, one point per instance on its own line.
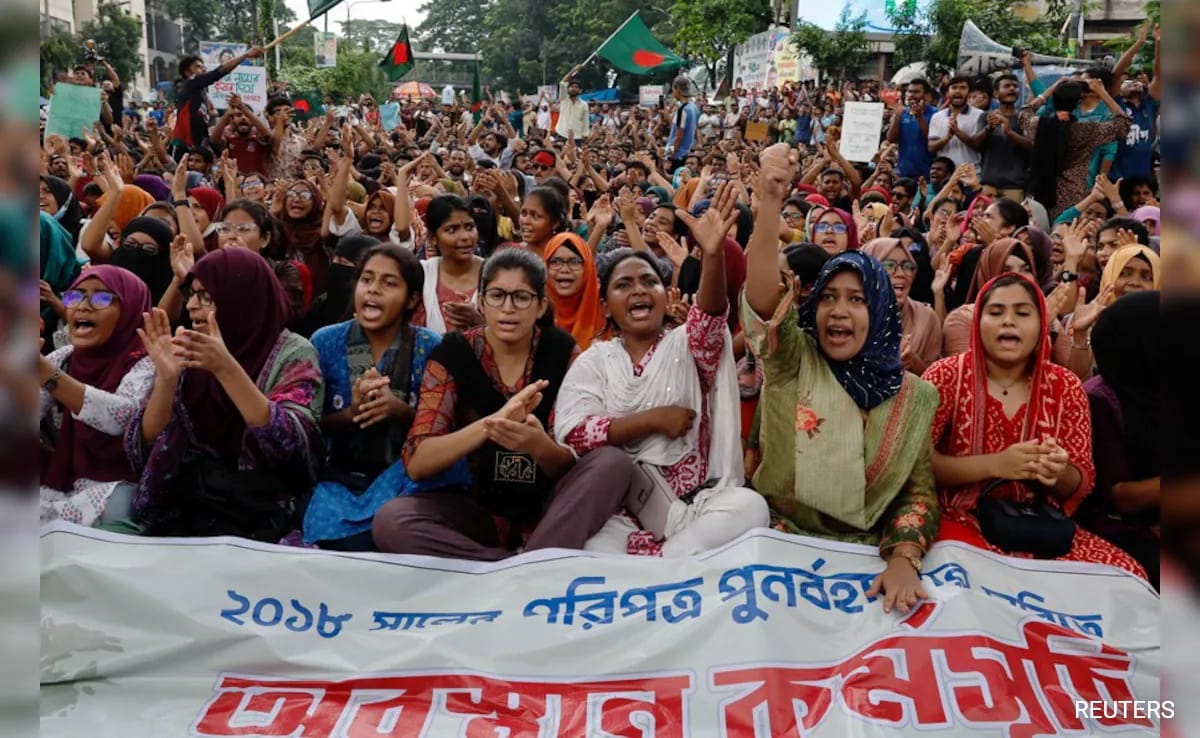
x=771 y=636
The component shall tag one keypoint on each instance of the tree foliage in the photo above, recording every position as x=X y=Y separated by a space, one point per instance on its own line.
x=707 y=30
x=368 y=35
x=451 y=26
x=60 y=51
x=1145 y=57
x=117 y=35
x=228 y=20
x=356 y=72
x=932 y=34
x=839 y=52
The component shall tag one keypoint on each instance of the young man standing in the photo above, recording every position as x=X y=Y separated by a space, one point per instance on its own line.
x=958 y=131
x=572 y=112
x=1005 y=150
x=683 y=127
x=909 y=130
x=191 y=98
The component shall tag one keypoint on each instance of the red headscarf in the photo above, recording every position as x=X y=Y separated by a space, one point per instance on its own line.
x=304 y=236
x=80 y=451
x=252 y=311
x=210 y=200
x=581 y=314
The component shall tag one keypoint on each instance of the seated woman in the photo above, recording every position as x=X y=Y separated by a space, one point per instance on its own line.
x=59 y=268
x=145 y=250
x=91 y=390
x=248 y=225
x=1125 y=407
x=574 y=288
x=488 y=395
x=922 y=341
x=373 y=366
x=643 y=391
x=834 y=463
x=229 y=435
x=1008 y=413
x=56 y=199
x=451 y=279
x=336 y=303
x=1001 y=256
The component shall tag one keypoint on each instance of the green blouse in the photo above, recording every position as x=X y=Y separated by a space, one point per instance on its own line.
x=829 y=468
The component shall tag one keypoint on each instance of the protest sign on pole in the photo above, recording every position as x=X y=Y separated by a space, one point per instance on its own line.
x=249 y=82
x=72 y=109
x=862 y=127
x=325 y=49
x=216 y=53
x=769 y=636
x=650 y=96
x=550 y=91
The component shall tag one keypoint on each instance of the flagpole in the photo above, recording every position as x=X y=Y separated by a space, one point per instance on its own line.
x=610 y=38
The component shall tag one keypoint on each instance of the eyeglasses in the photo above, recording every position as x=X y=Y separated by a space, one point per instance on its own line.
x=242 y=229
x=252 y=184
x=149 y=248
x=541 y=168
x=838 y=228
x=202 y=296
x=891 y=265
x=556 y=263
x=98 y=300
x=304 y=195
x=495 y=297
x=899 y=194
x=791 y=216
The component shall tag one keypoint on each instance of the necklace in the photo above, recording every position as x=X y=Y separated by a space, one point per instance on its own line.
x=1004 y=388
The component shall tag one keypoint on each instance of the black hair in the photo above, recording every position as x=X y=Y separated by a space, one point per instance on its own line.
x=833 y=170
x=500 y=138
x=944 y=160
x=553 y=200
x=924 y=84
x=186 y=62
x=958 y=79
x=1048 y=156
x=441 y=208
x=1007 y=76
x=614 y=258
x=799 y=203
x=1012 y=212
x=203 y=151
x=805 y=260
x=677 y=227
x=411 y=270
x=267 y=226
x=1132 y=182
x=1104 y=75
x=908 y=184
x=519 y=259
x=982 y=84
x=276 y=102
x=1136 y=227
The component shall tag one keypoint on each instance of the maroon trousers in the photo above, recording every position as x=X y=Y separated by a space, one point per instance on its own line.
x=454 y=525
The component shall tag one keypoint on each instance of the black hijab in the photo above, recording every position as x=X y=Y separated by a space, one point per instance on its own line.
x=69 y=213
x=485 y=224
x=922 y=286
x=154 y=269
x=1127 y=346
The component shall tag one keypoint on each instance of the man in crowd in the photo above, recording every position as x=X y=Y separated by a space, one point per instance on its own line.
x=191 y=97
x=683 y=126
x=958 y=131
x=572 y=112
x=909 y=130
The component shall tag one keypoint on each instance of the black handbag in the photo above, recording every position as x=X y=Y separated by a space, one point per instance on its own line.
x=1036 y=528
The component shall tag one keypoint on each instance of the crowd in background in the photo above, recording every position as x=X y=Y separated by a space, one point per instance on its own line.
x=613 y=328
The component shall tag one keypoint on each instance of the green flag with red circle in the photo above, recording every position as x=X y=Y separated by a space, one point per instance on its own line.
x=399 y=59
x=633 y=48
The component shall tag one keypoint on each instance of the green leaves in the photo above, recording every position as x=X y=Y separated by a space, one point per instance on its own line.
x=117 y=34
x=839 y=52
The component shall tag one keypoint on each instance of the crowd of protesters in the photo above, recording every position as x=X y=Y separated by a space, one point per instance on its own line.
x=613 y=328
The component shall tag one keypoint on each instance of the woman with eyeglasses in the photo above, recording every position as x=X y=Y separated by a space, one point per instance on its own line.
x=448 y=300
x=229 y=436
x=921 y=344
x=834 y=393
x=488 y=395
x=300 y=209
x=574 y=289
x=834 y=231
x=667 y=400
x=253 y=187
x=91 y=391
x=373 y=365
x=145 y=250
x=247 y=225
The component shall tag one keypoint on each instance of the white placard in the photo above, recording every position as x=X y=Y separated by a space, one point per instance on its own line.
x=650 y=95
x=325 y=49
x=550 y=91
x=249 y=82
x=770 y=636
x=862 y=127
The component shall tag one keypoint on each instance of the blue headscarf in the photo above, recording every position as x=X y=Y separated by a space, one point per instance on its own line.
x=875 y=373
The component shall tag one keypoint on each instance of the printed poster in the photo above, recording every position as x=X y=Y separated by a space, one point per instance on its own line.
x=649 y=96
x=862 y=129
x=325 y=49
x=771 y=636
x=216 y=53
x=249 y=82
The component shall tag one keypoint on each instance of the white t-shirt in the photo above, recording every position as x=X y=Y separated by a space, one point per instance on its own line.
x=971 y=121
x=543 y=117
x=709 y=123
x=448 y=95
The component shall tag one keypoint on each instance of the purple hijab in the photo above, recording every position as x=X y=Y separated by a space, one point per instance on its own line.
x=154 y=185
x=82 y=452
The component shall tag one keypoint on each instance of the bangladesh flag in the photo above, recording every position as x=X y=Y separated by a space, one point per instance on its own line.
x=399 y=60
x=634 y=49
x=307 y=105
x=476 y=96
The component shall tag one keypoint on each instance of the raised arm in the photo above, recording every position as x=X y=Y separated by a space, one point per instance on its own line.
x=778 y=168
x=341 y=180
x=709 y=233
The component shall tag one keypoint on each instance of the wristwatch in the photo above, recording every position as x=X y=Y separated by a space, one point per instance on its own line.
x=1068 y=277
x=184 y=203
x=52 y=382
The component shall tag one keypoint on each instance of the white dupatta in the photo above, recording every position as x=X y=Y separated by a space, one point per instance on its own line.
x=601 y=382
x=433 y=309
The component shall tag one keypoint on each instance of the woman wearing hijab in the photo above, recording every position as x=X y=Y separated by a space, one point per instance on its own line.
x=145 y=250
x=59 y=268
x=922 y=341
x=55 y=197
x=1001 y=256
x=486 y=224
x=91 y=390
x=300 y=208
x=98 y=237
x=1013 y=424
x=835 y=387
x=229 y=436
x=155 y=186
x=918 y=246
x=1149 y=216
x=574 y=288
x=336 y=303
x=206 y=206
x=1125 y=405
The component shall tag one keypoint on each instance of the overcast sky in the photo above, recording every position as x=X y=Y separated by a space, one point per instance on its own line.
x=394 y=11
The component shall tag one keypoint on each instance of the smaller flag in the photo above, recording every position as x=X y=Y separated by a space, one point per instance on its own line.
x=476 y=96
x=320 y=7
x=307 y=105
x=634 y=49
x=399 y=60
